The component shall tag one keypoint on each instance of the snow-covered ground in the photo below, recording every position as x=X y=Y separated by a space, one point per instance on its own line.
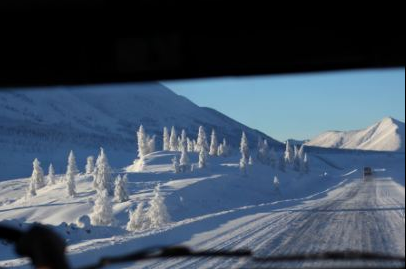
x=329 y=208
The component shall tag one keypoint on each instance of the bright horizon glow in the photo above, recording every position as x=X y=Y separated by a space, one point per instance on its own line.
x=301 y=106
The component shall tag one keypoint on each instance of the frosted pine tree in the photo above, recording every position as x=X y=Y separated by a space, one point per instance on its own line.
x=220 y=150
x=120 y=189
x=288 y=154
x=201 y=140
x=213 y=149
x=250 y=162
x=166 y=139
x=183 y=140
x=51 y=175
x=281 y=163
x=190 y=145
x=137 y=220
x=202 y=158
x=37 y=175
x=276 y=184
x=142 y=142
x=157 y=213
x=90 y=165
x=243 y=166
x=195 y=146
x=305 y=164
x=175 y=164
x=150 y=144
x=31 y=188
x=297 y=160
x=263 y=154
x=244 y=147
x=226 y=148
x=273 y=158
x=71 y=172
x=173 y=139
x=102 y=213
x=184 y=161
x=103 y=174
x=301 y=152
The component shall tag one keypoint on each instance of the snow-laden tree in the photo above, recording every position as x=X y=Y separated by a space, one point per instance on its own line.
x=250 y=162
x=244 y=147
x=137 y=220
x=297 y=160
x=120 y=189
x=288 y=154
x=71 y=173
x=301 y=152
x=166 y=139
x=142 y=142
x=102 y=213
x=276 y=184
x=203 y=156
x=173 y=139
x=221 y=152
x=195 y=146
x=201 y=140
x=37 y=175
x=150 y=144
x=273 y=158
x=183 y=140
x=243 y=166
x=103 y=174
x=51 y=175
x=184 y=164
x=305 y=164
x=226 y=148
x=295 y=151
x=157 y=213
x=263 y=153
x=90 y=165
x=31 y=188
x=190 y=145
x=281 y=163
x=175 y=164
x=213 y=149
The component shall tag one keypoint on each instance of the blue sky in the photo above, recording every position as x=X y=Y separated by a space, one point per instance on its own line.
x=301 y=106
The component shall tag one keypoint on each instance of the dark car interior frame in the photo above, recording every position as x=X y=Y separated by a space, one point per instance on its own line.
x=45 y=43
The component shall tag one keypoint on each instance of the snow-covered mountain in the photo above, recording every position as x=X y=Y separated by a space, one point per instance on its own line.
x=385 y=135
x=47 y=123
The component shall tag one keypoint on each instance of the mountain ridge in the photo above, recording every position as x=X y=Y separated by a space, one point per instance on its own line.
x=387 y=134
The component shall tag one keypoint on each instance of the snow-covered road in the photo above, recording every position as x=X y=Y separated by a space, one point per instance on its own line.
x=365 y=216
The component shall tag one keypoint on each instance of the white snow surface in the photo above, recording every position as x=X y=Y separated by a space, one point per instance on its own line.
x=217 y=208
x=385 y=135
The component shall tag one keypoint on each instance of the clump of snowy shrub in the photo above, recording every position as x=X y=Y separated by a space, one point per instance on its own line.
x=137 y=220
x=90 y=165
x=157 y=213
x=120 y=189
x=102 y=213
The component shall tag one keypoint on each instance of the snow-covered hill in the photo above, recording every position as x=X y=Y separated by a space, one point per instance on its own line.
x=47 y=123
x=385 y=135
x=214 y=207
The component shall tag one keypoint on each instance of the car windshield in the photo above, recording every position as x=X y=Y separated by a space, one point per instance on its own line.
x=276 y=165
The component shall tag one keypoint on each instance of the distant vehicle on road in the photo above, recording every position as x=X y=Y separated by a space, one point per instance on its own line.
x=367 y=173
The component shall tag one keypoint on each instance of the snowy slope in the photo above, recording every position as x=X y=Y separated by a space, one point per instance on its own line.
x=218 y=208
x=386 y=135
x=47 y=123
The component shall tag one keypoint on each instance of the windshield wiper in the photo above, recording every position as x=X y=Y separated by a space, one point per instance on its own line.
x=46 y=249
